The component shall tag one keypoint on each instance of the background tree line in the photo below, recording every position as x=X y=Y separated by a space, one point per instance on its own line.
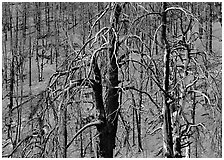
x=111 y=79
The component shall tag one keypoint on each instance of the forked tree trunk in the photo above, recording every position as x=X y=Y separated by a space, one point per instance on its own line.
x=109 y=115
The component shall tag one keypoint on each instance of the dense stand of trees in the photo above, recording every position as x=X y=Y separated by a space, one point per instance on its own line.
x=110 y=79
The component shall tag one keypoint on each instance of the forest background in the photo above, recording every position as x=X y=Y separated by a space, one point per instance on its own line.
x=112 y=79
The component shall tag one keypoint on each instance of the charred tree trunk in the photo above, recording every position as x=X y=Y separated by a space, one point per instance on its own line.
x=100 y=112
x=64 y=131
x=112 y=93
x=167 y=126
x=109 y=115
x=112 y=104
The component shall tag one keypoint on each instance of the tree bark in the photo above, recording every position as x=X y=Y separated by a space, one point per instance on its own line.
x=109 y=115
x=6 y=26
x=140 y=99
x=167 y=126
x=100 y=112
x=210 y=28
x=112 y=93
x=11 y=86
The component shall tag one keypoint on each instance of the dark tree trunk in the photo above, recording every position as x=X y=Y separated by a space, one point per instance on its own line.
x=12 y=79
x=108 y=134
x=112 y=93
x=56 y=27
x=5 y=29
x=30 y=61
x=111 y=104
x=100 y=112
x=210 y=27
x=206 y=27
x=64 y=129
x=193 y=118
x=133 y=123
x=5 y=62
x=140 y=100
x=108 y=127
x=167 y=126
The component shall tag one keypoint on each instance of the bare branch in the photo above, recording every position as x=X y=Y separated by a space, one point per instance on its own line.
x=133 y=88
x=154 y=38
x=102 y=14
x=204 y=95
x=195 y=125
x=95 y=123
x=192 y=83
x=17 y=146
x=32 y=97
x=155 y=130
